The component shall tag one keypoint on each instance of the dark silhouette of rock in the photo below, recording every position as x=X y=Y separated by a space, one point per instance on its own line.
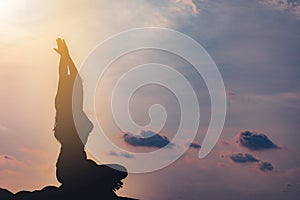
x=55 y=193
x=80 y=178
x=5 y=194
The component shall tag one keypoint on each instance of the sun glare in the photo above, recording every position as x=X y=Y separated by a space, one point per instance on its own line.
x=8 y=8
x=6 y=5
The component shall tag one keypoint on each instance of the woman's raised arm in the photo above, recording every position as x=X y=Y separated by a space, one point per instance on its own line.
x=62 y=50
x=65 y=57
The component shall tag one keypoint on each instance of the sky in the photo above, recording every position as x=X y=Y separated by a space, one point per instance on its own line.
x=255 y=45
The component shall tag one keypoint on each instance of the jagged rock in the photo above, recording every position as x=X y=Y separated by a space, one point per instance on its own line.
x=5 y=194
x=55 y=193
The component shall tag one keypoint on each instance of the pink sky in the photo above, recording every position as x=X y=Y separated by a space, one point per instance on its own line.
x=254 y=44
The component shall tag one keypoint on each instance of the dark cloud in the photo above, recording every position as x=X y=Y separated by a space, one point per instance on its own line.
x=255 y=141
x=121 y=154
x=288 y=185
x=243 y=158
x=8 y=157
x=194 y=145
x=266 y=166
x=147 y=139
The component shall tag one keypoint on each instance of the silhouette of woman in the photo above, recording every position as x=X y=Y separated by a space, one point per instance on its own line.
x=73 y=169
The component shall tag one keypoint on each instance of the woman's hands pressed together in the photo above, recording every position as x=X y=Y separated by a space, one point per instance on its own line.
x=62 y=48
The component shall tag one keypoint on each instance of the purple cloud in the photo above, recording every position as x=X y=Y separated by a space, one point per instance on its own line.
x=8 y=157
x=255 y=141
x=290 y=6
x=194 y=145
x=147 y=139
x=243 y=158
x=121 y=154
x=266 y=166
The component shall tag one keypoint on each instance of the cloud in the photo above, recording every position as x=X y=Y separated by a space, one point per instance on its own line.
x=291 y=6
x=189 y=3
x=121 y=154
x=5 y=159
x=266 y=166
x=230 y=95
x=3 y=128
x=147 y=139
x=286 y=99
x=10 y=162
x=255 y=141
x=243 y=158
x=194 y=145
x=33 y=152
x=8 y=157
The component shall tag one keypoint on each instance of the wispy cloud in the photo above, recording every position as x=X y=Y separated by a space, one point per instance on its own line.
x=291 y=6
x=285 y=99
x=10 y=162
x=190 y=4
x=121 y=154
x=3 y=128
x=8 y=157
x=33 y=152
